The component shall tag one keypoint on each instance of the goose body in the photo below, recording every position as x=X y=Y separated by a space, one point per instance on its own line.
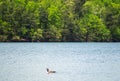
x=48 y=71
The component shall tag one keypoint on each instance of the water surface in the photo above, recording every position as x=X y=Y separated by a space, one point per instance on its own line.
x=72 y=61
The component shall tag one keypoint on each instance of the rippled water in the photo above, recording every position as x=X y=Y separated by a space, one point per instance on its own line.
x=72 y=61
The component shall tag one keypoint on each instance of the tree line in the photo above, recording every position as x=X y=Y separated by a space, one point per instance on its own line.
x=60 y=20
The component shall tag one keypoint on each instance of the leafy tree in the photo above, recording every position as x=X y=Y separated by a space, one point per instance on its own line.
x=60 y=20
x=37 y=35
x=112 y=20
x=94 y=29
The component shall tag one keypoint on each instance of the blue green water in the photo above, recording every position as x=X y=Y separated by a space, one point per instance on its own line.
x=71 y=61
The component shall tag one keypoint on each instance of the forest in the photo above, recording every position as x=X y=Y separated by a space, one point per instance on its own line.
x=59 y=20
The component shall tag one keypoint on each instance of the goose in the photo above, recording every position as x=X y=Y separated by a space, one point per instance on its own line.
x=48 y=71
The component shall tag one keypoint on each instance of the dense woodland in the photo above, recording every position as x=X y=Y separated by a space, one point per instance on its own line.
x=60 y=20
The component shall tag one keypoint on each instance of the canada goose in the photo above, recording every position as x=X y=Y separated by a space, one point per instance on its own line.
x=50 y=71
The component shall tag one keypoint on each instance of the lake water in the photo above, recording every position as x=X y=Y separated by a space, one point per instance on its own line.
x=72 y=61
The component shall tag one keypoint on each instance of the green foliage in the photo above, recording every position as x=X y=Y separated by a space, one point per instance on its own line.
x=94 y=29
x=3 y=38
x=37 y=35
x=55 y=34
x=112 y=20
x=60 y=20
